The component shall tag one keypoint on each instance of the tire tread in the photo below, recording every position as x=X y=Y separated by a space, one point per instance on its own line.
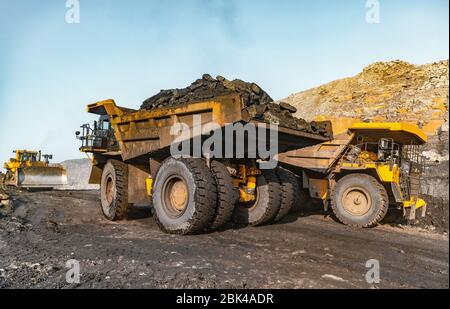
x=289 y=189
x=227 y=195
x=205 y=196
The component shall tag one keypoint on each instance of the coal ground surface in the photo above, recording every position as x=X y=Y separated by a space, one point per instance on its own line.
x=46 y=229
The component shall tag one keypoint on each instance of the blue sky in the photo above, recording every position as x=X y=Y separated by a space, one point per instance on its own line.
x=129 y=50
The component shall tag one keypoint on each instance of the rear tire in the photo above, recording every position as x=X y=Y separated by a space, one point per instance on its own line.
x=289 y=189
x=227 y=195
x=114 y=190
x=359 y=200
x=267 y=204
x=303 y=201
x=184 y=196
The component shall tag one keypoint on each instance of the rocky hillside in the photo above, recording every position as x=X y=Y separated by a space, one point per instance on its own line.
x=393 y=91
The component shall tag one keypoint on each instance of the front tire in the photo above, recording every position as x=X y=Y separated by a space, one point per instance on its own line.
x=359 y=200
x=184 y=196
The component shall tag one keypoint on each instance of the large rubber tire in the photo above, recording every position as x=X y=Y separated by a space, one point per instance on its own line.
x=199 y=202
x=227 y=195
x=267 y=204
x=114 y=190
x=290 y=192
x=303 y=201
x=367 y=201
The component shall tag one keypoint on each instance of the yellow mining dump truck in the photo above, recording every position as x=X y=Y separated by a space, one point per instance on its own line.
x=134 y=163
x=32 y=169
x=363 y=172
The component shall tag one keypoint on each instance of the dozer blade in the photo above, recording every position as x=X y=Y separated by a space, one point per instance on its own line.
x=41 y=177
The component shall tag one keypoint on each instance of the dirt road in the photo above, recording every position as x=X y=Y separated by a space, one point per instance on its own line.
x=46 y=229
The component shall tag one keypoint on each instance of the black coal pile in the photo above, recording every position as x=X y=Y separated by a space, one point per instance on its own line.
x=207 y=88
x=282 y=115
x=258 y=103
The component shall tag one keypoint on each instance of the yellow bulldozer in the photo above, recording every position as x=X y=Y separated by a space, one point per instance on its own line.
x=33 y=170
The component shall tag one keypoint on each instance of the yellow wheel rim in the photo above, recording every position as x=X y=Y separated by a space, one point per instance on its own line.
x=110 y=188
x=356 y=201
x=176 y=196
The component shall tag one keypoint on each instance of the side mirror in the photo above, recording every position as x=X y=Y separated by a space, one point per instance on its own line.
x=77 y=133
x=95 y=125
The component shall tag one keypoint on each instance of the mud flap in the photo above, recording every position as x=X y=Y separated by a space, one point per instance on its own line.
x=410 y=213
x=424 y=211
x=410 y=209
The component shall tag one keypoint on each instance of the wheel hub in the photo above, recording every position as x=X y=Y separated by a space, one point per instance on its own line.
x=356 y=201
x=178 y=195
x=109 y=190
x=175 y=196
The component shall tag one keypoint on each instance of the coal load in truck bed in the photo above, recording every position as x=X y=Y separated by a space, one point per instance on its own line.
x=207 y=88
x=259 y=104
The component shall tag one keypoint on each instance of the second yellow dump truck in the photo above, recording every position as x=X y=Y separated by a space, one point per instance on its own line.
x=365 y=171
x=360 y=174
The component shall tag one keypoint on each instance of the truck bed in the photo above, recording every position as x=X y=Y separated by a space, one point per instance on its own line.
x=146 y=133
